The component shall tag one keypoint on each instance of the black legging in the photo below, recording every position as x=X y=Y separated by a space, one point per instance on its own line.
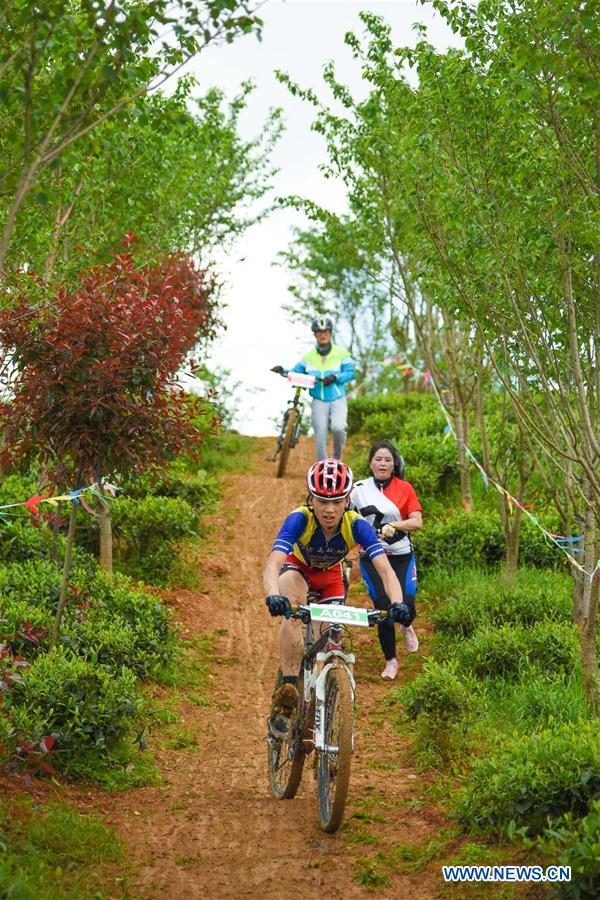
x=404 y=567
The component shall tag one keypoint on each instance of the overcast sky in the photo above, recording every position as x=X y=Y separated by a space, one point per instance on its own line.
x=299 y=37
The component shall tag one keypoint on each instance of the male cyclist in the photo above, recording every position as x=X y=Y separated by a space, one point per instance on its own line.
x=332 y=366
x=307 y=555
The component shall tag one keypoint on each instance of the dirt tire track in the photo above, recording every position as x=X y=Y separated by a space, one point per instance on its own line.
x=214 y=830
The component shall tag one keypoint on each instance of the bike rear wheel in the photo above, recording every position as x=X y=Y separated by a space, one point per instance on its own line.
x=333 y=763
x=285 y=758
x=287 y=442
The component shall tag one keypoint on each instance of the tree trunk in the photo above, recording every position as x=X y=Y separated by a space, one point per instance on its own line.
x=461 y=427
x=62 y=597
x=585 y=603
x=512 y=536
x=106 y=545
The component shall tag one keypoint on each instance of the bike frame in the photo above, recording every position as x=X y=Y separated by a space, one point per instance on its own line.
x=323 y=661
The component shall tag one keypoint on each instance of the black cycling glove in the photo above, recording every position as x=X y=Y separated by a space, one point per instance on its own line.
x=401 y=613
x=279 y=606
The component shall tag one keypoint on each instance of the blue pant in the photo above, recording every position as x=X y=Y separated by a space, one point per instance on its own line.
x=406 y=571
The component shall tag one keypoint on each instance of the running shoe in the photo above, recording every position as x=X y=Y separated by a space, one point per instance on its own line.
x=391 y=669
x=411 y=641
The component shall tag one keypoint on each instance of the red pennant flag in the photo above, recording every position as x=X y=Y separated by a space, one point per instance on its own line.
x=32 y=503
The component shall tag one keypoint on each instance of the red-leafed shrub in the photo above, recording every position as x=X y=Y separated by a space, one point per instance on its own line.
x=95 y=385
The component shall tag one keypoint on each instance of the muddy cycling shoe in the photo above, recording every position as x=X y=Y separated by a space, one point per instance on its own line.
x=283 y=707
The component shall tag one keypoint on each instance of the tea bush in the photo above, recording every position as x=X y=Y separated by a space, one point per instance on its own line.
x=111 y=622
x=438 y=691
x=400 y=408
x=148 y=533
x=22 y=541
x=441 y=702
x=80 y=704
x=460 y=541
x=17 y=487
x=576 y=843
x=530 y=704
x=471 y=599
x=510 y=651
x=198 y=490
x=534 y=778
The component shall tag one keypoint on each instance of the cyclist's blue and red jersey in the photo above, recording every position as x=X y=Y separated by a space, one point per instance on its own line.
x=302 y=537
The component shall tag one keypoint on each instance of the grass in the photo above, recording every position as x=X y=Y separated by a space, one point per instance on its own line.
x=414 y=857
x=371 y=877
x=191 y=669
x=53 y=852
x=125 y=768
x=228 y=452
x=180 y=739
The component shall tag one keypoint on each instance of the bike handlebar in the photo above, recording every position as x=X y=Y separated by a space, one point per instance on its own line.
x=302 y=612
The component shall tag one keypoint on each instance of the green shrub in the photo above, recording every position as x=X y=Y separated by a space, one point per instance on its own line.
x=441 y=702
x=7 y=740
x=132 y=629
x=24 y=628
x=109 y=622
x=148 y=532
x=79 y=703
x=576 y=843
x=438 y=691
x=477 y=539
x=460 y=541
x=534 y=778
x=510 y=651
x=473 y=598
x=404 y=408
x=532 y=703
x=23 y=541
x=198 y=490
x=16 y=487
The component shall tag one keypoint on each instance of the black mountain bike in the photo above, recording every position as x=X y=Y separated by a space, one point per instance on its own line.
x=292 y=427
x=323 y=721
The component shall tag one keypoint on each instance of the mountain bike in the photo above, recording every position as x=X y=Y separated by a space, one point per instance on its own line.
x=323 y=721
x=291 y=425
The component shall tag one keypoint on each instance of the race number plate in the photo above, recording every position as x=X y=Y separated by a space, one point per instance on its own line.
x=300 y=380
x=341 y=615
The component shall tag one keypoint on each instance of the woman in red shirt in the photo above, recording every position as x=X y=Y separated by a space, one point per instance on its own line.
x=392 y=507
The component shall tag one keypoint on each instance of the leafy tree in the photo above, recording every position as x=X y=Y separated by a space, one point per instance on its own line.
x=68 y=67
x=172 y=169
x=336 y=273
x=485 y=183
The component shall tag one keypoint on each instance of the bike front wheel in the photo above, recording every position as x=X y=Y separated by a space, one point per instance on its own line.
x=285 y=759
x=287 y=442
x=333 y=762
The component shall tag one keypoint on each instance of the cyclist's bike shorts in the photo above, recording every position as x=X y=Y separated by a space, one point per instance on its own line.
x=327 y=583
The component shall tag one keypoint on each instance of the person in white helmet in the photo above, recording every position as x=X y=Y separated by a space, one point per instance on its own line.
x=333 y=367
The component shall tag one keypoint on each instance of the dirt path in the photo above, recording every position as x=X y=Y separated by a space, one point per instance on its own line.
x=214 y=830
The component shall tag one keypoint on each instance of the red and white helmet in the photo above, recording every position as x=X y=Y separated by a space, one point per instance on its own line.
x=329 y=479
